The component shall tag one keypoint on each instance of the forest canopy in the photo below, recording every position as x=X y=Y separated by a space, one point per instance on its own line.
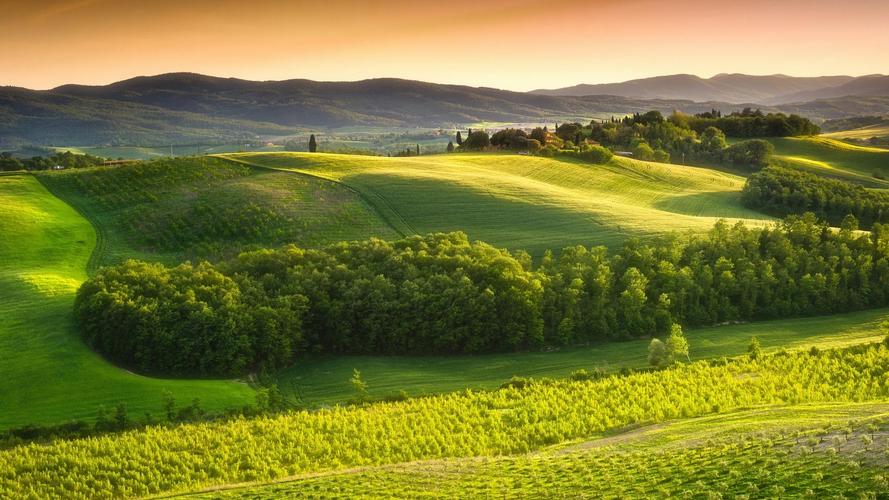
x=442 y=294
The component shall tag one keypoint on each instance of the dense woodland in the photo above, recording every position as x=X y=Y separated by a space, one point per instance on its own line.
x=442 y=294
x=780 y=192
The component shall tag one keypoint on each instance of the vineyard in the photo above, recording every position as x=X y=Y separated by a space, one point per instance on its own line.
x=814 y=451
x=520 y=418
x=192 y=208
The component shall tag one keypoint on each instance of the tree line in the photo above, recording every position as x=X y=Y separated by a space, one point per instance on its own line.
x=646 y=136
x=67 y=159
x=781 y=191
x=442 y=294
x=754 y=123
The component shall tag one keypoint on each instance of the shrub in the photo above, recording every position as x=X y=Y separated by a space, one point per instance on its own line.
x=596 y=154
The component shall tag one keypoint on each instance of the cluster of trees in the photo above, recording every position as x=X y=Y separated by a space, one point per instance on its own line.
x=539 y=141
x=8 y=162
x=754 y=123
x=442 y=294
x=186 y=320
x=652 y=137
x=781 y=191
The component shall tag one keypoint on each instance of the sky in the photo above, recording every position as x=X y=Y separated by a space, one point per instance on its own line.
x=515 y=45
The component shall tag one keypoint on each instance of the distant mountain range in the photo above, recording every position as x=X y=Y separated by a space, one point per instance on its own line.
x=735 y=88
x=187 y=108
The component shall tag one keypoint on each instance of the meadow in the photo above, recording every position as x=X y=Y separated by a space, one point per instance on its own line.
x=48 y=375
x=321 y=381
x=529 y=203
x=823 y=155
x=513 y=421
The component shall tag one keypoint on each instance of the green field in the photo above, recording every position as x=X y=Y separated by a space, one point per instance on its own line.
x=807 y=450
x=525 y=202
x=833 y=158
x=194 y=208
x=863 y=133
x=512 y=422
x=47 y=374
x=326 y=381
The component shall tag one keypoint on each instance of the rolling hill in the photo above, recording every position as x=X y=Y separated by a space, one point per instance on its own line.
x=189 y=109
x=48 y=375
x=525 y=202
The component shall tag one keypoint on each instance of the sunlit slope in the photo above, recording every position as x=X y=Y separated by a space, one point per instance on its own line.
x=524 y=202
x=326 y=380
x=205 y=208
x=880 y=130
x=47 y=375
x=794 y=451
x=833 y=158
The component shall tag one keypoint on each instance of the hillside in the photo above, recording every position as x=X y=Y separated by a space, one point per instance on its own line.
x=524 y=202
x=206 y=208
x=188 y=109
x=514 y=421
x=829 y=157
x=731 y=88
x=48 y=375
x=734 y=453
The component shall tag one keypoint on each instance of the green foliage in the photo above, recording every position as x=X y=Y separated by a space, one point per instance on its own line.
x=186 y=320
x=750 y=123
x=476 y=141
x=657 y=354
x=781 y=191
x=508 y=421
x=677 y=345
x=359 y=386
x=754 y=350
x=754 y=153
x=440 y=294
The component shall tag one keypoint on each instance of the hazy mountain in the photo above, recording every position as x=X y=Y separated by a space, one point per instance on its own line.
x=863 y=86
x=185 y=108
x=732 y=88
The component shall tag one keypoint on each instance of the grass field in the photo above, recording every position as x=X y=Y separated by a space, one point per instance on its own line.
x=326 y=381
x=819 y=450
x=529 y=203
x=881 y=130
x=191 y=208
x=47 y=374
x=833 y=158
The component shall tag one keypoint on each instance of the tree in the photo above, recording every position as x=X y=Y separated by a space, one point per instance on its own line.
x=459 y=139
x=677 y=344
x=169 y=406
x=754 y=349
x=313 y=144
x=418 y=150
x=657 y=354
x=451 y=146
x=359 y=385
x=477 y=141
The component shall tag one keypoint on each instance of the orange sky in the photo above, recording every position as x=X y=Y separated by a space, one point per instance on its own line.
x=517 y=44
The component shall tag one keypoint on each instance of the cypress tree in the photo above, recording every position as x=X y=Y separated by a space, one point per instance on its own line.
x=451 y=144
x=418 y=150
x=313 y=144
x=459 y=139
